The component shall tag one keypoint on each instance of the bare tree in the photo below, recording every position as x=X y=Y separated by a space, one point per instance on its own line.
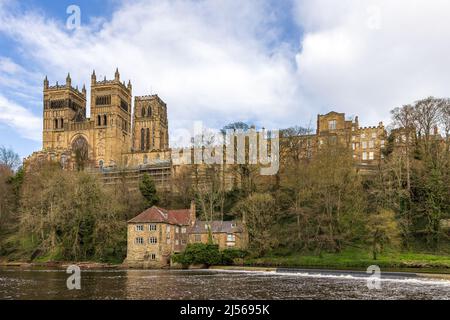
x=9 y=158
x=426 y=116
x=404 y=119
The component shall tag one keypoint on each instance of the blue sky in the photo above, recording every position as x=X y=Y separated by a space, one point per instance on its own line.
x=271 y=63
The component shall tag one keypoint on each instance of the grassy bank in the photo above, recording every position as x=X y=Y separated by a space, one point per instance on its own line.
x=356 y=259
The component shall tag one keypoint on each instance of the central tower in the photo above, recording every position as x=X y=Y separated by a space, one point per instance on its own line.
x=150 y=124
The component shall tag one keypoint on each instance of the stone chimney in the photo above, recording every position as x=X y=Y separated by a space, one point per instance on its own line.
x=192 y=213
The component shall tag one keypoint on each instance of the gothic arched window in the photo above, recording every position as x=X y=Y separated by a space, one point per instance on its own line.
x=148 y=139
x=143 y=112
x=149 y=113
x=142 y=139
x=62 y=123
x=99 y=120
x=105 y=120
x=56 y=123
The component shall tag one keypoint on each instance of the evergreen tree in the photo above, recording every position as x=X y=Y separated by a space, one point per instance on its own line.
x=148 y=191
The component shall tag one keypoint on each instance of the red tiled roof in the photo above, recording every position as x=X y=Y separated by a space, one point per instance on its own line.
x=156 y=214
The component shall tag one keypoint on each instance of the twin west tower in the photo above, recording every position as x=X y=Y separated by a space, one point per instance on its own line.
x=109 y=137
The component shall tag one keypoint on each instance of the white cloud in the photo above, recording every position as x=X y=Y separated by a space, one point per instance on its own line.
x=367 y=57
x=209 y=61
x=20 y=119
x=217 y=61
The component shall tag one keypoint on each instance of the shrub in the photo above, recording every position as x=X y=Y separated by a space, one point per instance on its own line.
x=229 y=255
x=199 y=253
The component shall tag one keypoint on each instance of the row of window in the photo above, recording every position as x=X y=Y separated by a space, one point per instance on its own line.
x=106 y=101
x=368 y=155
x=368 y=144
x=151 y=240
x=146 y=112
x=145 y=139
x=154 y=240
x=152 y=227
x=103 y=100
x=230 y=238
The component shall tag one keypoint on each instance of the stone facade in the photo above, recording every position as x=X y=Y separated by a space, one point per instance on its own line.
x=108 y=138
x=157 y=233
x=119 y=136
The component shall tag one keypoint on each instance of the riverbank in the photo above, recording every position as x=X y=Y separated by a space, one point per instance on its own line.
x=358 y=260
x=60 y=265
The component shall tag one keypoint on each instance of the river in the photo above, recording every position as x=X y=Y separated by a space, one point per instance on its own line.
x=215 y=284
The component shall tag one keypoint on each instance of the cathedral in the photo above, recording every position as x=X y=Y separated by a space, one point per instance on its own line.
x=123 y=136
x=109 y=138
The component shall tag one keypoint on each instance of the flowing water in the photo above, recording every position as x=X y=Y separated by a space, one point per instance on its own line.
x=214 y=284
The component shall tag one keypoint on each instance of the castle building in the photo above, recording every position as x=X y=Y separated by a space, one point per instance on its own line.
x=157 y=233
x=120 y=135
x=366 y=143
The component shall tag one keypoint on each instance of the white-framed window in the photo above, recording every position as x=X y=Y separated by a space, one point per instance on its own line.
x=353 y=138
x=140 y=227
x=198 y=238
x=371 y=144
x=177 y=230
x=139 y=240
x=371 y=155
x=363 y=135
x=183 y=230
x=382 y=143
x=364 y=144
x=364 y=155
x=374 y=135
x=353 y=146
x=168 y=229
x=177 y=242
x=332 y=125
x=152 y=227
x=231 y=237
x=152 y=240
x=152 y=256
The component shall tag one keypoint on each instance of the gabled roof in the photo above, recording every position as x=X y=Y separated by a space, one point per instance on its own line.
x=156 y=214
x=217 y=227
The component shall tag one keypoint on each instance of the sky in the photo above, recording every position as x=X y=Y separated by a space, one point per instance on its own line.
x=270 y=63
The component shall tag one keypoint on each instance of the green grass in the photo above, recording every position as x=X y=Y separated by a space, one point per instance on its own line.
x=357 y=259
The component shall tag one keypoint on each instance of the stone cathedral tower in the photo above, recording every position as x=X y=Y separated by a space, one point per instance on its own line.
x=111 y=118
x=150 y=124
